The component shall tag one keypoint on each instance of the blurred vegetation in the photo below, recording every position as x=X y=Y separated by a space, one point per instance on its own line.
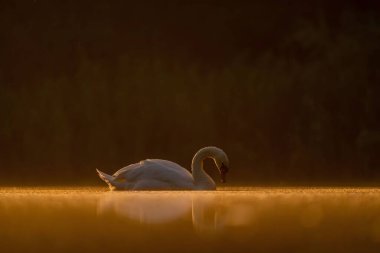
x=289 y=91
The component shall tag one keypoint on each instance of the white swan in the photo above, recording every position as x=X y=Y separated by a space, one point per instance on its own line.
x=156 y=174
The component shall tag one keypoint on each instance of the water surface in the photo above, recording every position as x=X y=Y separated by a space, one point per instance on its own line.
x=228 y=220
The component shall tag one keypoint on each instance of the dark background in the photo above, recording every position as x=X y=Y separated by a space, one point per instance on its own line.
x=289 y=89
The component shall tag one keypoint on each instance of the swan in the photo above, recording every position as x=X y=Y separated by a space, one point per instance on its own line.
x=157 y=174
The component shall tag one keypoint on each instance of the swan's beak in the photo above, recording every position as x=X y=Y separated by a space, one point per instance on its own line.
x=223 y=177
x=223 y=172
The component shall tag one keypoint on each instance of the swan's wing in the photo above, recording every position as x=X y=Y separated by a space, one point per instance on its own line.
x=157 y=170
x=167 y=163
x=123 y=172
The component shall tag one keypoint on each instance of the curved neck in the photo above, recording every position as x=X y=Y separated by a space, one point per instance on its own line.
x=202 y=180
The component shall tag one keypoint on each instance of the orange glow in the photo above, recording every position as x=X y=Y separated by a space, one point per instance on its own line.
x=67 y=218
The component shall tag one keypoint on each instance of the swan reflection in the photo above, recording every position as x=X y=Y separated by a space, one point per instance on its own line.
x=207 y=211
x=150 y=208
x=277 y=213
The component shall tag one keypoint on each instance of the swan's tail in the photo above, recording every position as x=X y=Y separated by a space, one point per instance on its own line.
x=110 y=180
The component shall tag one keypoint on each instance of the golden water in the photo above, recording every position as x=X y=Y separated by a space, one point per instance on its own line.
x=228 y=220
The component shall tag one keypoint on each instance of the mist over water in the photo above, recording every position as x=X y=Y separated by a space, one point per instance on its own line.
x=230 y=219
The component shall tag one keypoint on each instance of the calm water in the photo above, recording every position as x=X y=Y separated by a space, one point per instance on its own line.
x=228 y=220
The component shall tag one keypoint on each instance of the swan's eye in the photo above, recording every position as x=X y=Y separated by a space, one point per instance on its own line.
x=223 y=168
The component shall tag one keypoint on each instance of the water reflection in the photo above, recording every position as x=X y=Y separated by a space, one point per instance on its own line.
x=150 y=208
x=246 y=220
x=209 y=212
x=274 y=212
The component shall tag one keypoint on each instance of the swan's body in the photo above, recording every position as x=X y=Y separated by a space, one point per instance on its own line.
x=156 y=174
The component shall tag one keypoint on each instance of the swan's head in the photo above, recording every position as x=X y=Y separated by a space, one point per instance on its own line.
x=220 y=158
x=222 y=162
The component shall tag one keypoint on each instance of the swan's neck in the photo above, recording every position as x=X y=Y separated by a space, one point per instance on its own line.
x=202 y=181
